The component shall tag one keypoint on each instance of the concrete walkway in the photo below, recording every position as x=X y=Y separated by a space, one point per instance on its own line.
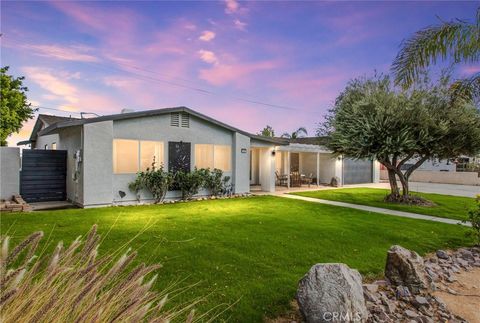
x=376 y=209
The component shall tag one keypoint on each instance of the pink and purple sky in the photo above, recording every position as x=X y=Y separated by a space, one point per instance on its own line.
x=215 y=57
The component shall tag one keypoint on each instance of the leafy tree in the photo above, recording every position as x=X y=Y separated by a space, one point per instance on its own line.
x=14 y=107
x=371 y=119
x=456 y=40
x=267 y=132
x=300 y=132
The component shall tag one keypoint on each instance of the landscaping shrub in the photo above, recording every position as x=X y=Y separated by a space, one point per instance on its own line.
x=156 y=181
x=75 y=285
x=474 y=218
x=215 y=182
x=189 y=183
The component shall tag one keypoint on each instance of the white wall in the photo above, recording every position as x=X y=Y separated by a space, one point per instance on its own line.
x=70 y=139
x=98 y=163
x=9 y=172
x=308 y=164
x=47 y=140
x=157 y=128
x=327 y=168
x=267 y=169
x=241 y=163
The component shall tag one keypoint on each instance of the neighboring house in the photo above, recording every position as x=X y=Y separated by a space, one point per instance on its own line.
x=105 y=153
x=46 y=141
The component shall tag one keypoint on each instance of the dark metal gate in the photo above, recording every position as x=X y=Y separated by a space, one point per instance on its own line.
x=43 y=175
x=357 y=171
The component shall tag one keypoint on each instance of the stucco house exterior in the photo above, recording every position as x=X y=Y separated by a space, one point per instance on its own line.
x=105 y=153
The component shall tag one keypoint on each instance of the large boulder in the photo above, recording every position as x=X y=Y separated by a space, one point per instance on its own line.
x=406 y=268
x=332 y=293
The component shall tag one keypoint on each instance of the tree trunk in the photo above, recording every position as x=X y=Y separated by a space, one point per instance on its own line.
x=404 y=182
x=394 y=191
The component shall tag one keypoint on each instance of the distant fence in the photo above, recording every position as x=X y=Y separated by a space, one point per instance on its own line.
x=432 y=176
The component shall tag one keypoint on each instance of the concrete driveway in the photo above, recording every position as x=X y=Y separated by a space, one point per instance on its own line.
x=447 y=189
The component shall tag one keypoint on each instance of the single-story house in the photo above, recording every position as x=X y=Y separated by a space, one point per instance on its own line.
x=105 y=153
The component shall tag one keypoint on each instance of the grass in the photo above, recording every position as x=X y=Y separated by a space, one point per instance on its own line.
x=249 y=252
x=447 y=206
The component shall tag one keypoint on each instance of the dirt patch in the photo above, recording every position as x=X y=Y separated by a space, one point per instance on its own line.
x=462 y=297
x=409 y=200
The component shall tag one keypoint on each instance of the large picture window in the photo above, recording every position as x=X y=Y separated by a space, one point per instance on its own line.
x=125 y=156
x=222 y=157
x=213 y=156
x=204 y=156
x=151 y=151
x=130 y=156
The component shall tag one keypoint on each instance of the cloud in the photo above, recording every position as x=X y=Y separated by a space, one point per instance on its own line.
x=207 y=35
x=232 y=6
x=208 y=56
x=56 y=86
x=77 y=53
x=235 y=73
x=240 y=25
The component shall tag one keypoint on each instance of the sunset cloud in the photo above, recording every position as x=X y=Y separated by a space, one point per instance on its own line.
x=55 y=85
x=222 y=74
x=207 y=35
x=208 y=56
x=232 y=6
x=77 y=53
x=240 y=25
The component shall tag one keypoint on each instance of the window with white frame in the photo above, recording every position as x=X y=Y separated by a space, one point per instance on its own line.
x=150 y=152
x=213 y=156
x=130 y=156
x=54 y=146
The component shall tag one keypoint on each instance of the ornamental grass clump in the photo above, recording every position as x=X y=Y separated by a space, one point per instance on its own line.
x=74 y=284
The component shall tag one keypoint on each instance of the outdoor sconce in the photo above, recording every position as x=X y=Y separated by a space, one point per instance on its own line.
x=273 y=153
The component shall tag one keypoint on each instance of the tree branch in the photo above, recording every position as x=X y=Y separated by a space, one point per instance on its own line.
x=415 y=166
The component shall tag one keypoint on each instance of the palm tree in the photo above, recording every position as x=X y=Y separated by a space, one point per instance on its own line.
x=458 y=40
x=296 y=134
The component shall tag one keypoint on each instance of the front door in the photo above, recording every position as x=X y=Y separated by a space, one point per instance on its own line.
x=179 y=156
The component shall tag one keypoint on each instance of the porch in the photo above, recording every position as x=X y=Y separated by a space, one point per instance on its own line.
x=300 y=166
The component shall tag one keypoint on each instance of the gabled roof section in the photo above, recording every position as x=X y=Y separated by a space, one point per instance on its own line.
x=148 y=113
x=44 y=121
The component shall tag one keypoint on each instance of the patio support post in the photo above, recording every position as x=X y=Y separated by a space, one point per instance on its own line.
x=318 y=169
x=288 y=169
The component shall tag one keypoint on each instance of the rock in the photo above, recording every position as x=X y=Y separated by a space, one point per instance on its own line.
x=402 y=292
x=405 y=267
x=332 y=289
x=420 y=301
x=442 y=254
x=411 y=314
x=372 y=288
x=466 y=254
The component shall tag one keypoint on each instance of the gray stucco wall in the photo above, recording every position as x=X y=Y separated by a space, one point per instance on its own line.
x=97 y=163
x=241 y=163
x=9 y=172
x=157 y=128
x=47 y=140
x=70 y=139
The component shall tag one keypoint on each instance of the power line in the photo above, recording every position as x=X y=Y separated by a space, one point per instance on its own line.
x=172 y=83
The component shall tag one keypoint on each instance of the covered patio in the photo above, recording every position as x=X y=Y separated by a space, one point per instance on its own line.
x=292 y=166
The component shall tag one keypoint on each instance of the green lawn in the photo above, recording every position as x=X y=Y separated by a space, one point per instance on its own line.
x=249 y=252
x=447 y=206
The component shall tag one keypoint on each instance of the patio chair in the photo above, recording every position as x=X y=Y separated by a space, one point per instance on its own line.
x=281 y=180
x=295 y=179
x=307 y=179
